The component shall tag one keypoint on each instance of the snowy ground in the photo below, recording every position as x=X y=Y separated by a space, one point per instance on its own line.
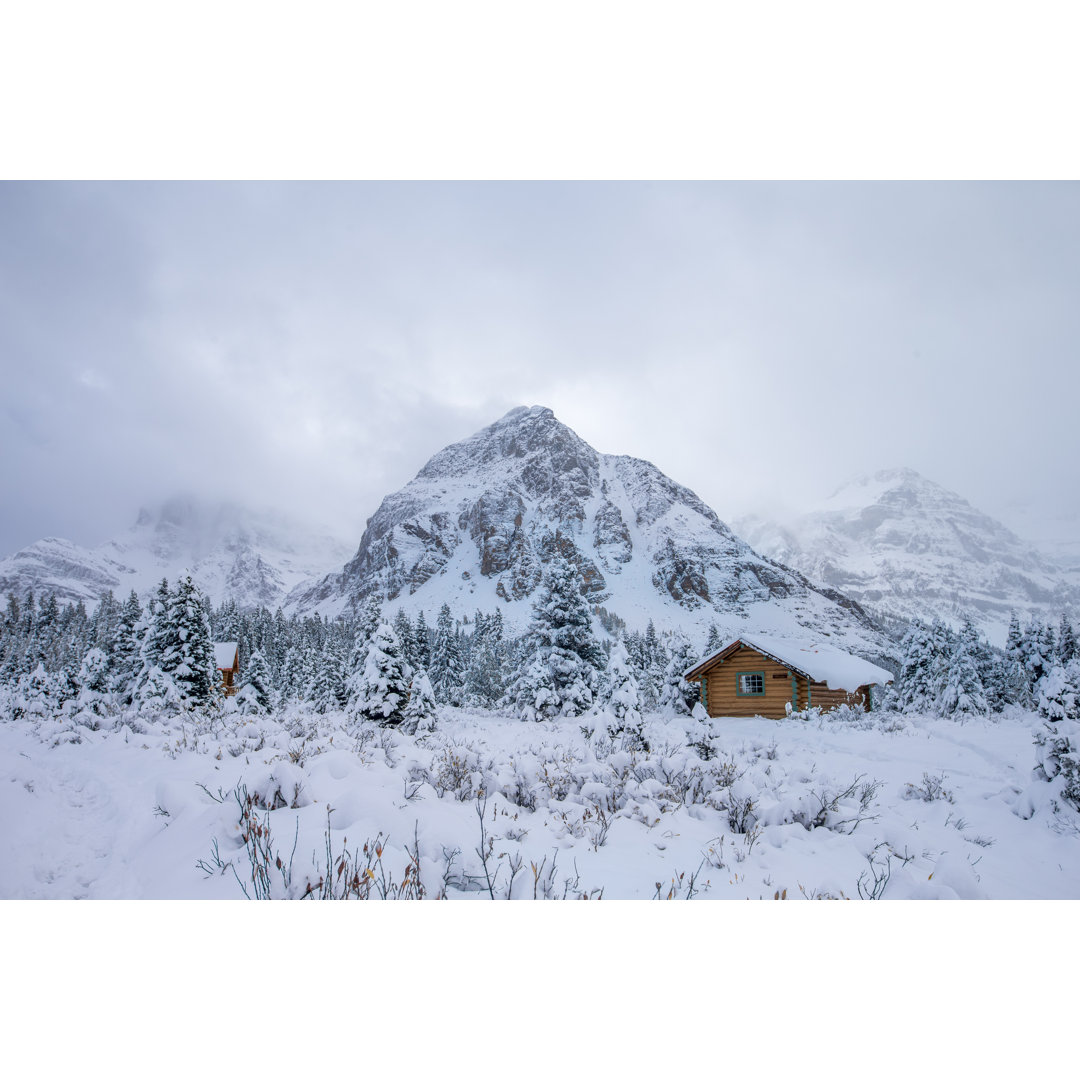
x=898 y=807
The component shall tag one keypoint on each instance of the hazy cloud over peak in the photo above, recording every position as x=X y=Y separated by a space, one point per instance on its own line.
x=310 y=346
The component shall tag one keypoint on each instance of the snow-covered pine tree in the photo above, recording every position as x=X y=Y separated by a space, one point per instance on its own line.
x=93 y=698
x=620 y=695
x=446 y=671
x=36 y=693
x=915 y=691
x=620 y=701
x=12 y=647
x=189 y=655
x=404 y=630
x=328 y=691
x=484 y=682
x=379 y=690
x=1059 y=693
x=942 y=647
x=154 y=689
x=1014 y=640
x=653 y=664
x=1038 y=652
x=1057 y=742
x=420 y=712
x=422 y=642
x=156 y=639
x=369 y=617
x=963 y=693
x=534 y=692
x=1004 y=682
x=101 y=631
x=254 y=696
x=677 y=696
x=1066 y=641
x=561 y=637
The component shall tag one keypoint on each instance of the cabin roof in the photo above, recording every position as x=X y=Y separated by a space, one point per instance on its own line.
x=225 y=654
x=815 y=660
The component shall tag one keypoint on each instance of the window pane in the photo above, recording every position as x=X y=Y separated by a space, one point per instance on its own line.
x=753 y=683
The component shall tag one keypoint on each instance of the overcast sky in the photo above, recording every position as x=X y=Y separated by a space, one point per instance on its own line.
x=309 y=347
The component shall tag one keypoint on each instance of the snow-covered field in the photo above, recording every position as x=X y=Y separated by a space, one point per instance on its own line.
x=898 y=807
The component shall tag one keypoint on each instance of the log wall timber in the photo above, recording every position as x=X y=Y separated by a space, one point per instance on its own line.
x=821 y=697
x=782 y=687
x=723 y=698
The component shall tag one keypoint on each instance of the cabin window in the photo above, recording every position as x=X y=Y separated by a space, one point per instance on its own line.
x=750 y=683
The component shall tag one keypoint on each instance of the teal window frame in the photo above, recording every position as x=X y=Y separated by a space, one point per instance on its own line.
x=750 y=693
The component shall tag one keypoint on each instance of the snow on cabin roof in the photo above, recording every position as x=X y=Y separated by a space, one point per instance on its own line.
x=225 y=654
x=821 y=662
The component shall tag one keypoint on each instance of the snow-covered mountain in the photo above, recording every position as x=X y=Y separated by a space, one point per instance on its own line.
x=905 y=548
x=477 y=524
x=252 y=557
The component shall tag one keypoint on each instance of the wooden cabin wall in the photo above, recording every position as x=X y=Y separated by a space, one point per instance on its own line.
x=722 y=680
x=821 y=697
x=724 y=701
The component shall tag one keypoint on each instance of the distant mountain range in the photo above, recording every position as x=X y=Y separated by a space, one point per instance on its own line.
x=905 y=548
x=251 y=557
x=478 y=523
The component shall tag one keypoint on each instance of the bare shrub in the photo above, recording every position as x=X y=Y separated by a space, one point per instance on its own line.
x=455 y=770
x=931 y=789
x=841 y=811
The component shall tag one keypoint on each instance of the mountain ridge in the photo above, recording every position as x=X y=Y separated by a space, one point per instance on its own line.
x=478 y=522
x=234 y=553
x=907 y=547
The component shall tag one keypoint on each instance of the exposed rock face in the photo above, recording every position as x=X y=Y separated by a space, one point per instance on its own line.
x=55 y=565
x=905 y=547
x=482 y=518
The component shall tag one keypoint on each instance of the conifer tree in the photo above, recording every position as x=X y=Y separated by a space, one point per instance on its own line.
x=420 y=712
x=534 y=692
x=561 y=638
x=127 y=648
x=404 y=630
x=93 y=682
x=484 y=681
x=422 y=642
x=1059 y=693
x=368 y=619
x=963 y=693
x=620 y=695
x=1035 y=655
x=189 y=655
x=1057 y=758
x=446 y=671
x=379 y=690
x=254 y=697
x=653 y=664
x=328 y=692
x=677 y=696
x=915 y=691
x=37 y=689
x=1014 y=640
x=1066 y=641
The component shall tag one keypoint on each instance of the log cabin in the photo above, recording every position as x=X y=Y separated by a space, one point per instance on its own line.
x=767 y=676
x=227 y=659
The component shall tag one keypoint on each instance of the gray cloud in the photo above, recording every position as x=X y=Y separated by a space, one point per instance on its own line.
x=310 y=346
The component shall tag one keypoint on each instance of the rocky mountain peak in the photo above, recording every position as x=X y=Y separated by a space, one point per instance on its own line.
x=907 y=547
x=477 y=524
